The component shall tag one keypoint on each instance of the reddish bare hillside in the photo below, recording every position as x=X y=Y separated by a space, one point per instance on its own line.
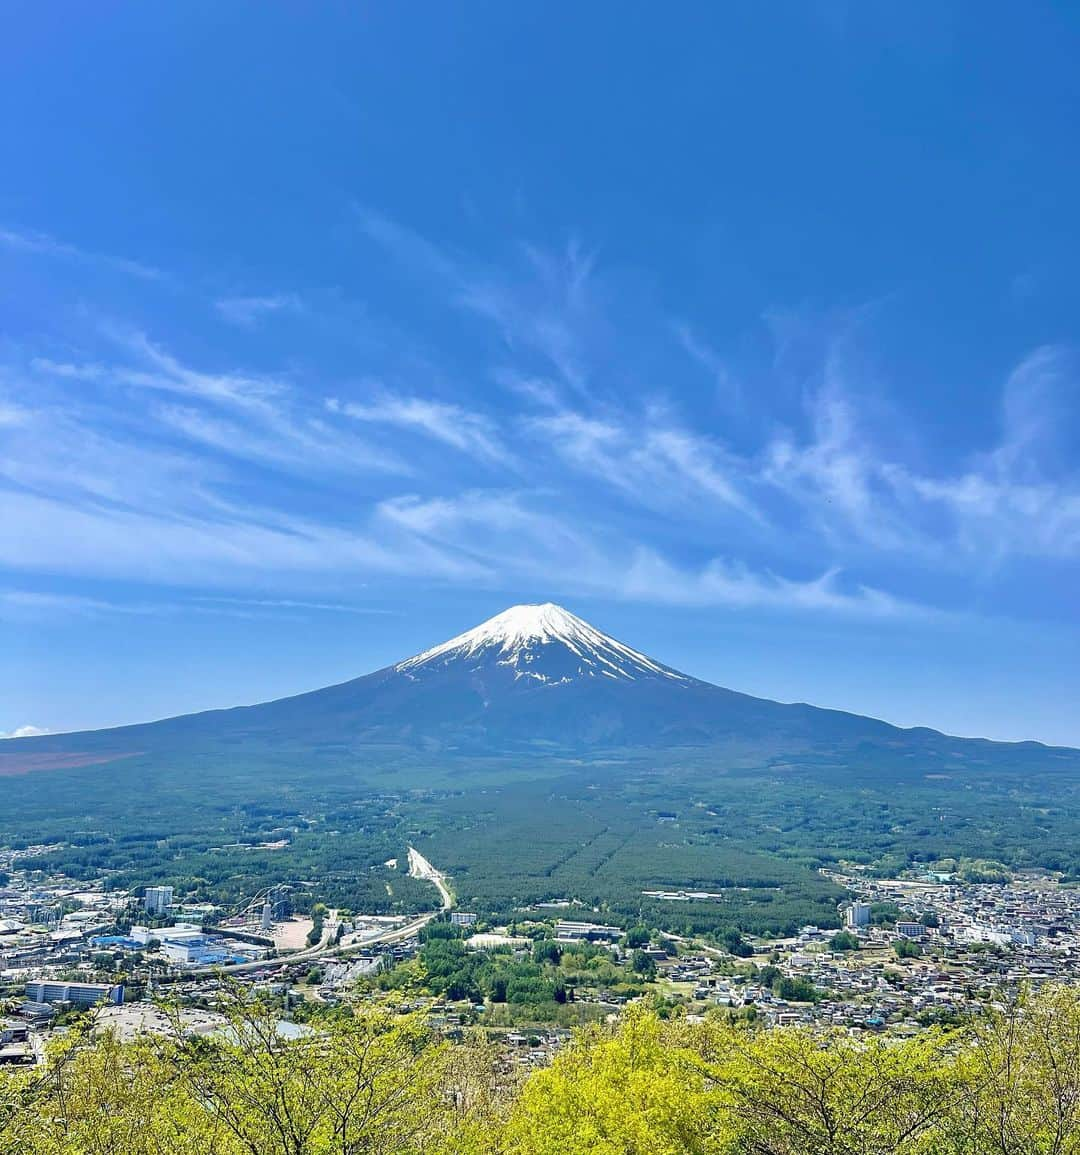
x=12 y=764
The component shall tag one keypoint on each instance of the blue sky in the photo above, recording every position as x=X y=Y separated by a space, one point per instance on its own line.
x=749 y=333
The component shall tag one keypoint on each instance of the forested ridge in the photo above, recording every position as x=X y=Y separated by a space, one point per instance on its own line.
x=377 y=1082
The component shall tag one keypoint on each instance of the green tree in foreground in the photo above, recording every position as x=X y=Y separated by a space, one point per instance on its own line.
x=379 y=1083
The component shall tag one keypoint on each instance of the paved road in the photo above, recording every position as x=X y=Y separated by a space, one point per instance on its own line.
x=419 y=867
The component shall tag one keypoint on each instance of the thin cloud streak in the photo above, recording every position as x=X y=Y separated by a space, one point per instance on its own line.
x=44 y=245
x=241 y=415
x=451 y=424
x=37 y=605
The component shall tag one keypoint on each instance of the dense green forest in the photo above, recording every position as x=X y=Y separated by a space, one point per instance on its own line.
x=514 y=833
x=380 y=1083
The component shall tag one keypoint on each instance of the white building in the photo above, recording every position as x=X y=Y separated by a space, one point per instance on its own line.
x=586 y=931
x=492 y=941
x=858 y=914
x=81 y=994
x=462 y=918
x=157 y=899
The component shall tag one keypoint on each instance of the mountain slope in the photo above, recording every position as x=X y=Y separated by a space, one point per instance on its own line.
x=533 y=679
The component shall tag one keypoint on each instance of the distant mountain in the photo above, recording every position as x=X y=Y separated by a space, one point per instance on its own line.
x=534 y=679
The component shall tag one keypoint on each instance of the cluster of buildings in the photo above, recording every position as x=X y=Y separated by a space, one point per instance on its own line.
x=44 y=923
x=977 y=941
x=340 y=975
x=1026 y=912
x=182 y=945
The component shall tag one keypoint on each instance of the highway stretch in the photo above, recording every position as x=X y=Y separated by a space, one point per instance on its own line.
x=419 y=867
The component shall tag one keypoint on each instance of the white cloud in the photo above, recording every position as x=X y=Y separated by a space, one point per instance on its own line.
x=165 y=372
x=836 y=474
x=734 y=585
x=657 y=463
x=70 y=370
x=451 y=424
x=512 y=538
x=294 y=604
x=130 y=460
x=240 y=415
x=208 y=547
x=407 y=247
x=1018 y=497
x=38 y=605
x=23 y=732
x=301 y=443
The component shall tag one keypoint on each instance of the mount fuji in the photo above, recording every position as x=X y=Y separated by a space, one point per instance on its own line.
x=542 y=642
x=533 y=680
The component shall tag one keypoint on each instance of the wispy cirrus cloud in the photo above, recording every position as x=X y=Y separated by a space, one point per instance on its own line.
x=545 y=312
x=294 y=604
x=12 y=415
x=502 y=531
x=209 y=547
x=38 y=605
x=452 y=424
x=649 y=458
x=514 y=532
x=238 y=414
x=1018 y=496
x=721 y=582
x=28 y=241
x=581 y=471
x=728 y=387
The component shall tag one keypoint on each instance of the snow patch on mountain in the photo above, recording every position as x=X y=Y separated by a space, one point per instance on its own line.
x=528 y=638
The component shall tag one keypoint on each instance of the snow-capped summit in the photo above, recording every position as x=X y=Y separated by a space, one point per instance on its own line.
x=542 y=642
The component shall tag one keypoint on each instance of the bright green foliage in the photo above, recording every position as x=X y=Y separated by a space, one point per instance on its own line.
x=379 y=1083
x=906 y=948
x=1022 y=1079
x=796 y=990
x=791 y=1093
x=631 y=1091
